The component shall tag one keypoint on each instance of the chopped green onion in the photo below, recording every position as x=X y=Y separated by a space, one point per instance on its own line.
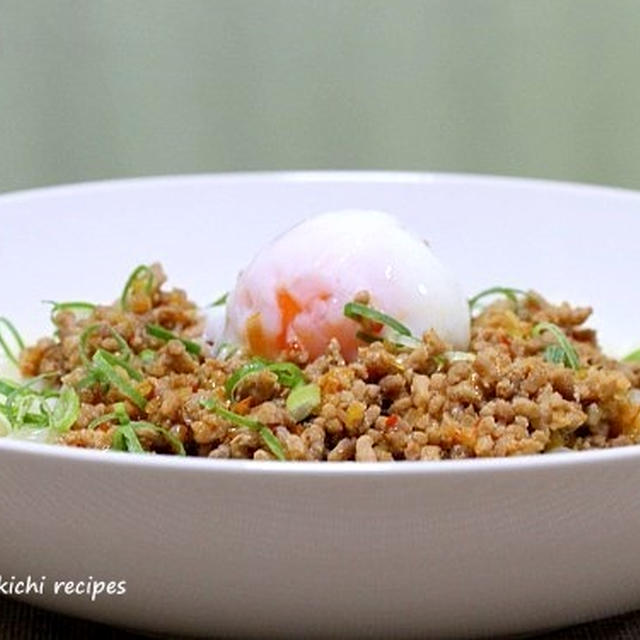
x=570 y=355
x=69 y=306
x=394 y=338
x=5 y=425
x=634 y=356
x=302 y=401
x=242 y=421
x=66 y=410
x=367 y=337
x=459 y=356
x=399 y=336
x=147 y=356
x=125 y=439
x=164 y=334
x=32 y=433
x=174 y=442
x=114 y=361
x=234 y=418
x=289 y=374
x=7 y=387
x=257 y=364
x=356 y=311
x=28 y=407
x=93 y=377
x=84 y=337
x=16 y=337
x=220 y=301
x=25 y=409
x=453 y=356
x=110 y=375
x=404 y=341
x=107 y=417
x=508 y=292
x=143 y=271
x=554 y=353
x=440 y=360
x=120 y=412
x=272 y=442
x=27 y=387
x=225 y=350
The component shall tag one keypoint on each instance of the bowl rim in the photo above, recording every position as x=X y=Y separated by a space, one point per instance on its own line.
x=320 y=176
x=347 y=468
x=192 y=464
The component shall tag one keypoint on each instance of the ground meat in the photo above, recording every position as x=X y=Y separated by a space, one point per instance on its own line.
x=505 y=397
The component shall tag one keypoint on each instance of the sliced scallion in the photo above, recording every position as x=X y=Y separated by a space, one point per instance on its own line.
x=114 y=361
x=569 y=354
x=126 y=439
x=404 y=341
x=509 y=292
x=164 y=334
x=257 y=364
x=174 y=443
x=234 y=418
x=393 y=338
x=272 y=442
x=554 y=353
x=242 y=421
x=139 y=273
x=448 y=357
x=119 y=414
x=110 y=375
x=459 y=356
x=85 y=307
x=224 y=350
x=93 y=377
x=634 y=356
x=367 y=337
x=303 y=400
x=106 y=417
x=15 y=337
x=123 y=440
x=147 y=356
x=289 y=374
x=220 y=301
x=66 y=410
x=125 y=349
x=399 y=335
x=27 y=407
x=7 y=387
x=27 y=387
x=357 y=311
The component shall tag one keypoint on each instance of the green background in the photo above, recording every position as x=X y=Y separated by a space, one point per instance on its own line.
x=106 y=88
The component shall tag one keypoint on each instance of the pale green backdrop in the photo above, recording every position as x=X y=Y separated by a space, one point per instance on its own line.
x=93 y=89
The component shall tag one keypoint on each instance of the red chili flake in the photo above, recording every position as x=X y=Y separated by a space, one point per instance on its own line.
x=392 y=421
x=377 y=327
x=505 y=341
x=243 y=407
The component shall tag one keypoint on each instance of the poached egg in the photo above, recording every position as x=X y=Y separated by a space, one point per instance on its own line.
x=292 y=295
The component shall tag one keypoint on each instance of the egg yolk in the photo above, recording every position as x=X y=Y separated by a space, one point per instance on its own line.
x=305 y=325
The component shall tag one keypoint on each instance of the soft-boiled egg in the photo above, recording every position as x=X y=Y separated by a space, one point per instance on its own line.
x=292 y=295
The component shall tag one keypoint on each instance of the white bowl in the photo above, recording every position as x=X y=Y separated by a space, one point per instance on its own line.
x=251 y=549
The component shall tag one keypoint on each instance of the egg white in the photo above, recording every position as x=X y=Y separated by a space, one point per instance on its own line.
x=336 y=255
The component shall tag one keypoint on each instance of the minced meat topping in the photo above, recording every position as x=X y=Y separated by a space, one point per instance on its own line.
x=505 y=397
